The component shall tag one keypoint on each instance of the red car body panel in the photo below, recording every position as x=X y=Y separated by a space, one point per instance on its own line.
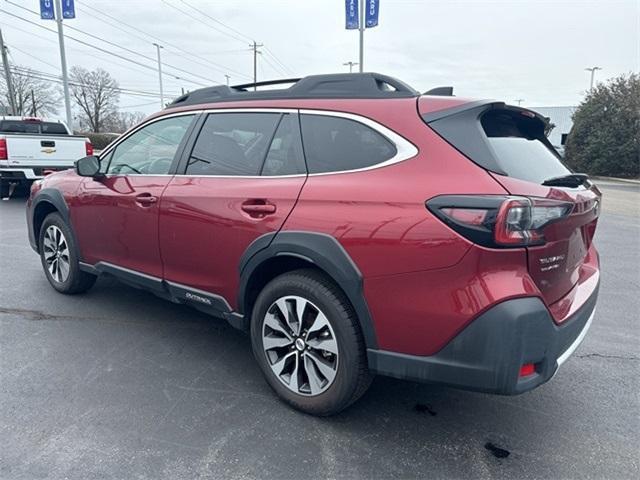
x=202 y=236
x=116 y=221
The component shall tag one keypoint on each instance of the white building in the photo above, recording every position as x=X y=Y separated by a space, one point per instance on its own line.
x=561 y=117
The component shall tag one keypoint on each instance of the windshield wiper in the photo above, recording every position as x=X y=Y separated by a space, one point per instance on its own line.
x=571 y=180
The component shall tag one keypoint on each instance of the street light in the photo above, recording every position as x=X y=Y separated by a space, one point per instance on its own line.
x=519 y=100
x=160 y=75
x=593 y=72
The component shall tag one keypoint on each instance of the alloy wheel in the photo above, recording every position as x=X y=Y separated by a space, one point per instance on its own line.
x=56 y=254
x=300 y=345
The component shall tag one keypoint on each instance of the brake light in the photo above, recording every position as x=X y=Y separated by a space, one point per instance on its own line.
x=499 y=221
x=88 y=147
x=4 y=153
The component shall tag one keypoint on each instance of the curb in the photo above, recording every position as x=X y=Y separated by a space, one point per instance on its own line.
x=619 y=180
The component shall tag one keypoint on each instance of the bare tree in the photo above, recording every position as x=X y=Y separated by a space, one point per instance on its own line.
x=123 y=121
x=33 y=95
x=96 y=93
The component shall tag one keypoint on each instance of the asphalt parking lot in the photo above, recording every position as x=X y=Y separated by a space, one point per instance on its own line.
x=118 y=383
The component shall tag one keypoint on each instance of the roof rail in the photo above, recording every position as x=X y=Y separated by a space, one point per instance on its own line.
x=338 y=85
x=440 y=91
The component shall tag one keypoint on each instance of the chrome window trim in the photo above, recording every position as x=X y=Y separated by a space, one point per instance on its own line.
x=404 y=148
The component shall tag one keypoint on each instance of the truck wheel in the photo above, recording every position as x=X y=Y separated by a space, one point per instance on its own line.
x=307 y=340
x=59 y=257
x=4 y=189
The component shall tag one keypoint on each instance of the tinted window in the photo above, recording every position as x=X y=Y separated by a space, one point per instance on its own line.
x=52 y=128
x=285 y=152
x=19 y=126
x=333 y=144
x=519 y=147
x=151 y=149
x=232 y=144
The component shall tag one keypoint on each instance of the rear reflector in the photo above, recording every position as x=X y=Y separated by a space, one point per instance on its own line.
x=527 y=369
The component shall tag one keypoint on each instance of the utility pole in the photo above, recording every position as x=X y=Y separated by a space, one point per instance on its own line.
x=361 y=7
x=593 y=73
x=228 y=77
x=254 y=47
x=351 y=65
x=63 y=64
x=519 y=100
x=7 y=74
x=158 y=47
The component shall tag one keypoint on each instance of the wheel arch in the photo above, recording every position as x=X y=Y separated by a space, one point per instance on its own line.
x=47 y=201
x=275 y=253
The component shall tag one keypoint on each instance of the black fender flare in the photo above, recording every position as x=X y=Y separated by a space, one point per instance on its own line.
x=321 y=250
x=55 y=198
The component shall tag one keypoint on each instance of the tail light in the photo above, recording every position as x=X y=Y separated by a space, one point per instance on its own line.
x=88 y=147
x=4 y=153
x=499 y=221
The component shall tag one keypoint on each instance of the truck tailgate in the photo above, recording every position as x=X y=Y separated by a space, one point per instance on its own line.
x=44 y=151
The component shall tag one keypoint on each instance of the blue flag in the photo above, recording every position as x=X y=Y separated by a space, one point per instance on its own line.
x=352 y=14
x=68 y=9
x=46 y=10
x=371 y=14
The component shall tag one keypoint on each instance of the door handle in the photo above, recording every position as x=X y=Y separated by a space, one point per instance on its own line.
x=146 y=199
x=258 y=208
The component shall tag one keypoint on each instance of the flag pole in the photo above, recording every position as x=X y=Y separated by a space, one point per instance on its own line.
x=361 y=8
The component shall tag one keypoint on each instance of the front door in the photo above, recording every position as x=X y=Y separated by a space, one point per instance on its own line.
x=240 y=181
x=116 y=218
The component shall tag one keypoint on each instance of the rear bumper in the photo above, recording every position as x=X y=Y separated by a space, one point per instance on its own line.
x=21 y=174
x=487 y=355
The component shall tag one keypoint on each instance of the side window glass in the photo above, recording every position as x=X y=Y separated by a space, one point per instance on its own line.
x=232 y=144
x=334 y=144
x=104 y=162
x=285 y=153
x=150 y=150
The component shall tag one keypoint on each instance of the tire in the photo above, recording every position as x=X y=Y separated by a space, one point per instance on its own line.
x=324 y=382
x=56 y=240
x=4 y=189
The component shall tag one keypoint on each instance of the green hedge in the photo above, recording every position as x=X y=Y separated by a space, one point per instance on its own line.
x=605 y=138
x=99 y=140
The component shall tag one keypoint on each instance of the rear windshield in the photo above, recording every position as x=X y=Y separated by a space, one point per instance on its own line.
x=510 y=142
x=518 y=144
x=25 y=126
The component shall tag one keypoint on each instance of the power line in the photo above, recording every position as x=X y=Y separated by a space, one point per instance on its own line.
x=217 y=66
x=273 y=55
x=198 y=19
x=95 y=47
x=107 y=42
x=77 y=50
x=54 y=78
x=219 y=22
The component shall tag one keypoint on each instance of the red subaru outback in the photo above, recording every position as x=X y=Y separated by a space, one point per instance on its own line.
x=352 y=225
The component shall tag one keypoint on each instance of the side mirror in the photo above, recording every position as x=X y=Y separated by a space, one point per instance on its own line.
x=88 y=167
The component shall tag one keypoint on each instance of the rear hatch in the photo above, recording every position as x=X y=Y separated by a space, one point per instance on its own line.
x=510 y=143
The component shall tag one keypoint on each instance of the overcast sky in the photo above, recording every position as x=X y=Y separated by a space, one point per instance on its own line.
x=531 y=50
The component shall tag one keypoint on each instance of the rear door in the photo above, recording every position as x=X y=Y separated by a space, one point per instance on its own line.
x=116 y=216
x=239 y=180
x=510 y=142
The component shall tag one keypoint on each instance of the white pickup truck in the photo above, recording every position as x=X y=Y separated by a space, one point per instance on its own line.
x=31 y=148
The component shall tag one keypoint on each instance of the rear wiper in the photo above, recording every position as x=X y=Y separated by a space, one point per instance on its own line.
x=571 y=180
